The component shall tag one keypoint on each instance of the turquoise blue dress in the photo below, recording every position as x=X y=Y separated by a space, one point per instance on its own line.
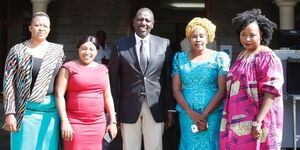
x=199 y=81
x=41 y=129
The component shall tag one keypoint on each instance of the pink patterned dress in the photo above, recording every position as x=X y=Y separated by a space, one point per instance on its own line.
x=247 y=80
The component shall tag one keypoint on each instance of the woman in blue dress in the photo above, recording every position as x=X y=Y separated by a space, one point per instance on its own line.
x=198 y=78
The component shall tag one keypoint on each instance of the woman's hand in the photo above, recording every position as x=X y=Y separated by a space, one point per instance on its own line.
x=202 y=126
x=66 y=130
x=256 y=132
x=199 y=119
x=10 y=123
x=112 y=129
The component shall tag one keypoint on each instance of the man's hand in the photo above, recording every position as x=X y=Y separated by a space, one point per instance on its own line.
x=171 y=120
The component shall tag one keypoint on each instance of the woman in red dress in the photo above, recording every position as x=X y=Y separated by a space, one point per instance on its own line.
x=87 y=89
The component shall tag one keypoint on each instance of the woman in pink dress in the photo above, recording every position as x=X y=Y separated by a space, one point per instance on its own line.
x=87 y=89
x=253 y=112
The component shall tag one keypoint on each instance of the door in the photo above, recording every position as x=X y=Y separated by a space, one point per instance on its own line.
x=14 y=20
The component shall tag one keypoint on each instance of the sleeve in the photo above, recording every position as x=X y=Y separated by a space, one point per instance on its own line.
x=171 y=102
x=9 y=90
x=223 y=63
x=175 y=65
x=270 y=74
x=113 y=70
x=106 y=78
x=68 y=65
x=108 y=52
x=63 y=56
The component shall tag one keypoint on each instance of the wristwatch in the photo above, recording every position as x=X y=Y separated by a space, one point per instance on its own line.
x=256 y=124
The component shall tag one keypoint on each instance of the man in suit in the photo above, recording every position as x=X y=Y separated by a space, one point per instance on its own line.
x=139 y=72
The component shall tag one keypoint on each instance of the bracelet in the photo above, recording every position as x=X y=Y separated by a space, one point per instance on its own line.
x=113 y=122
x=114 y=113
x=256 y=124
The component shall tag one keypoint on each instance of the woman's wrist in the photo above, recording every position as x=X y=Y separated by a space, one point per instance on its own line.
x=63 y=120
x=256 y=124
x=205 y=113
x=10 y=114
x=112 y=122
x=113 y=118
x=189 y=111
x=113 y=114
x=258 y=119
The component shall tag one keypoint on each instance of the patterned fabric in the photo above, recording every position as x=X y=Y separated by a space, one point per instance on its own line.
x=18 y=77
x=199 y=80
x=247 y=81
x=209 y=27
x=45 y=74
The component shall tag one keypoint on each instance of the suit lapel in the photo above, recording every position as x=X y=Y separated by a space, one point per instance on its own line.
x=152 y=52
x=132 y=51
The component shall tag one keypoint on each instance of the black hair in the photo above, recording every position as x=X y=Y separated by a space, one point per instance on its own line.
x=266 y=26
x=100 y=32
x=38 y=14
x=88 y=39
x=143 y=10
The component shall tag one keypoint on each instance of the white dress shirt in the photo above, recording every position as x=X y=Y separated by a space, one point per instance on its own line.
x=146 y=45
x=103 y=53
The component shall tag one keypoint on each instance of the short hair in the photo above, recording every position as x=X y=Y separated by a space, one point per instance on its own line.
x=242 y=20
x=100 y=32
x=142 y=10
x=39 y=14
x=87 y=39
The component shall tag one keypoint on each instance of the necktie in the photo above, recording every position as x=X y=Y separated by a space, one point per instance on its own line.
x=143 y=59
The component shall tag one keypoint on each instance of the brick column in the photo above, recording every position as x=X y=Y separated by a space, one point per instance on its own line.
x=286 y=10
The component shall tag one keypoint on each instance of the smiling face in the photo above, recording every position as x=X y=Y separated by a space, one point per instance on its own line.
x=250 y=36
x=198 y=39
x=87 y=53
x=39 y=28
x=143 y=22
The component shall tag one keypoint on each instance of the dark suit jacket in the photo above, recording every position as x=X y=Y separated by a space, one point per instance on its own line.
x=128 y=81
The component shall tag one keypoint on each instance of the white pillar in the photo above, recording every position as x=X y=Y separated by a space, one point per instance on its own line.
x=286 y=10
x=39 y=5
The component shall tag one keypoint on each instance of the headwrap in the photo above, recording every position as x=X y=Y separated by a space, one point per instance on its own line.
x=202 y=22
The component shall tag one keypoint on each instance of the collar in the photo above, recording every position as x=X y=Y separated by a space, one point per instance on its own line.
x=137 y=38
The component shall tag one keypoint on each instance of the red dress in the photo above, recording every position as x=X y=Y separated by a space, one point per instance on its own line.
x=85 y=106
